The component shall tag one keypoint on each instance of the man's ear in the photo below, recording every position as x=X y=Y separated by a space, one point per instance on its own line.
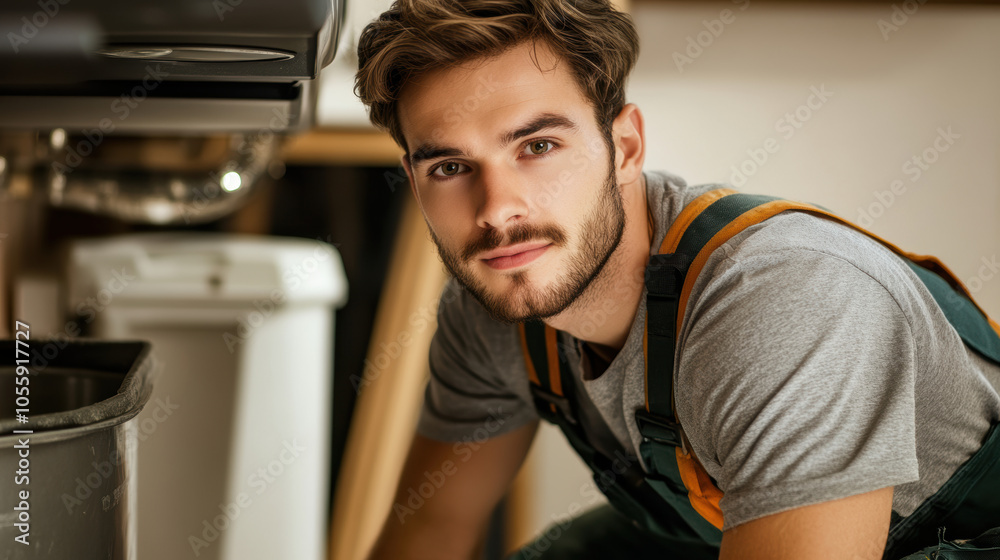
x=628 y=131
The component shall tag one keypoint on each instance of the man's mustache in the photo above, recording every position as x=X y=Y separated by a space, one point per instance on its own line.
x=521 y=233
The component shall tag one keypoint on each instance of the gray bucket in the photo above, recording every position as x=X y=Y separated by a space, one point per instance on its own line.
x=74 y=494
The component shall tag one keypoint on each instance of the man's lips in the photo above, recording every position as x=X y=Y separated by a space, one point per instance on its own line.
x=514 y=255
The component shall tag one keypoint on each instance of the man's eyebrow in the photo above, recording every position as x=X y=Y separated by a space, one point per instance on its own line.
x=541 y=122
x=428 y=151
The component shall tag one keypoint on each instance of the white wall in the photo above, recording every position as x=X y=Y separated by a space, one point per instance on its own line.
x=889 y=99
x=890 y=96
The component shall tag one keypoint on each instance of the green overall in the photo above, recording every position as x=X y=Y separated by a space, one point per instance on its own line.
x=673 y=505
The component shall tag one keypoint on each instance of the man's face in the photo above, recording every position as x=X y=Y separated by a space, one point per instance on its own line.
x=515 y=180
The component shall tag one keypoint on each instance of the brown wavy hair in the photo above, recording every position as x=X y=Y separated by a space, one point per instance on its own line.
x=414 y=36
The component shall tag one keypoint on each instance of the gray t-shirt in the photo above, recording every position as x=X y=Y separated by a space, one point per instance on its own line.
x=812 y=365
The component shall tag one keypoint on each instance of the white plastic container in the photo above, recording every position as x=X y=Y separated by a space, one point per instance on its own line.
x=234 y=444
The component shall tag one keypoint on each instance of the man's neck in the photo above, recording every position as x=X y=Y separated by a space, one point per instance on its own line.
x=604 y=313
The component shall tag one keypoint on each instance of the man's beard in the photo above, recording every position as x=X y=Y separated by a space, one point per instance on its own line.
x=601 y=234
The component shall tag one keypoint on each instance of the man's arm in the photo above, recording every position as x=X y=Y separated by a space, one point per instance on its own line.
x=851 y=528
x=450 y=524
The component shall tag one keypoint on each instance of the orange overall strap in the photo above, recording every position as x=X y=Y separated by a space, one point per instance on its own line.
x=769 y=209
x=542 y=363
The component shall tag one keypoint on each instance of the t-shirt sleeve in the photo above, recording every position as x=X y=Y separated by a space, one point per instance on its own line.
x=800 y=374
x=478 y=386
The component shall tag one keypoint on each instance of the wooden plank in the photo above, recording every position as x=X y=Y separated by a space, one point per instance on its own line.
x=324 y=146
x=391 y=391
x=519 y=516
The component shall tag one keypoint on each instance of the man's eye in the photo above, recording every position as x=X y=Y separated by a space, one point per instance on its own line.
x=448 y=169
x=539 y=147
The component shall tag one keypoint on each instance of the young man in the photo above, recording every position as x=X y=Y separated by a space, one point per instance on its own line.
x=816 y=380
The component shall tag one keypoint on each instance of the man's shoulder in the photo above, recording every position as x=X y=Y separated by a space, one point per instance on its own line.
x=796 y=254
x=783 y=241
x=790 y=230
x=786 y=251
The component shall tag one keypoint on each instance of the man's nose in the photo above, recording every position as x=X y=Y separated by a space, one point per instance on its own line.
x=503 y=198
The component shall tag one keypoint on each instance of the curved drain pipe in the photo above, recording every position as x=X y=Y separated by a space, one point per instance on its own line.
x=157 y=197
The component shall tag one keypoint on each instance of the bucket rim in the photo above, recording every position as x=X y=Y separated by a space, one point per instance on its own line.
x=132 y=395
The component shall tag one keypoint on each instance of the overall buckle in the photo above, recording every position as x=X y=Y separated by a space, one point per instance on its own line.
x=561 y=403
x=665 y=274
x=658 y=428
